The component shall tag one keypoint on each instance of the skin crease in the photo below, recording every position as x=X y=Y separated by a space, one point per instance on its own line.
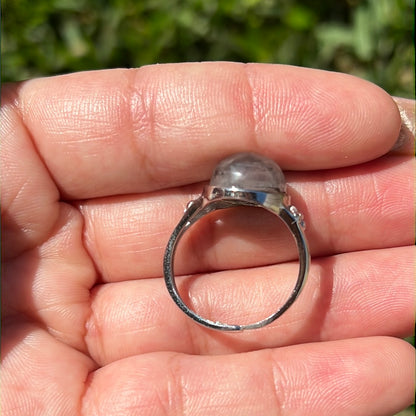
x=96 y=170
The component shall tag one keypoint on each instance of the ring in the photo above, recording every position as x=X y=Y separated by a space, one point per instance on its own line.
x=243 y=179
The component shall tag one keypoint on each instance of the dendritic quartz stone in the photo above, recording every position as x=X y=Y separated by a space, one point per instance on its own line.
x=248 y=171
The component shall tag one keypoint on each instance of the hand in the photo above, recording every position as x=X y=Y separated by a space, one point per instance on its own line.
x=97 y=168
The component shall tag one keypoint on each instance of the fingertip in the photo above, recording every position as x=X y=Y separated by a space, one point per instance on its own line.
x=315 y=119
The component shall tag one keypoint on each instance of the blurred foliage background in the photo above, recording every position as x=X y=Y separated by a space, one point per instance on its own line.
x=369 y=38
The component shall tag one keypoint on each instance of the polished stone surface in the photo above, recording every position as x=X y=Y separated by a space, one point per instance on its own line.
x=248 y=171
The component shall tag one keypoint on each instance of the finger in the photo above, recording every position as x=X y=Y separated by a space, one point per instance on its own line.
x=29 y=198
x=39 y=374
x=120 y=131
x=405 y=143
x=366 y=207
x=51 y=284
x=350 y=295
x=360 y=377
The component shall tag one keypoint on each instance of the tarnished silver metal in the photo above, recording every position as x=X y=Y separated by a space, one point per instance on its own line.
x=266 y=189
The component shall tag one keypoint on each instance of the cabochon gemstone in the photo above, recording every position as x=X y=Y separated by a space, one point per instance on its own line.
x=248 y=171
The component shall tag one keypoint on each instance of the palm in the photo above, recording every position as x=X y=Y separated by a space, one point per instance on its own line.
x=97 y=168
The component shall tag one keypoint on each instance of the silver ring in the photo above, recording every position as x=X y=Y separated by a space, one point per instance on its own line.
x=243 y=179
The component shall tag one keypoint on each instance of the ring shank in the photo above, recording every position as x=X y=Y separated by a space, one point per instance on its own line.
x=203 y=206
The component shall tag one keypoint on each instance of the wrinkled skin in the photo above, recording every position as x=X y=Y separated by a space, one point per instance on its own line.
x=96 y=170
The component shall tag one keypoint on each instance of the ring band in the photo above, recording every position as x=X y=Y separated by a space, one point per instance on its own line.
x=244 y=179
